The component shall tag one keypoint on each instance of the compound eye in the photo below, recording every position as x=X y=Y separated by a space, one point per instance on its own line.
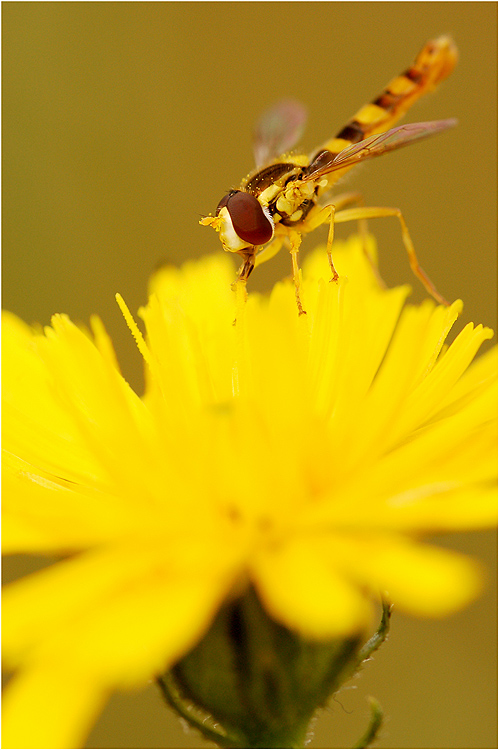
x=224 y=201
x=248 y=218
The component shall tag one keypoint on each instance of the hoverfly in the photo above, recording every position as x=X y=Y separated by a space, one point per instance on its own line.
x=283 y=198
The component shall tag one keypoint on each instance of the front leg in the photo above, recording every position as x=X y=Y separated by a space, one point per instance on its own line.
x=246 y=268
x=239 y=285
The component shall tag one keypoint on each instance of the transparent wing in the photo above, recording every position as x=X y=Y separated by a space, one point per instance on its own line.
x=375 y=145
x=278 y=130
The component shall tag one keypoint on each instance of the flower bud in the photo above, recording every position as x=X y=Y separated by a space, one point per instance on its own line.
x=251 y=682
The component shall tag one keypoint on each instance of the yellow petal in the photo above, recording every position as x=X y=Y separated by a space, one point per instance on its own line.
x=35 y=424
x=305 y=592
x=43 y=513
x=123 y=613
x=50 y=706
x=420 y=579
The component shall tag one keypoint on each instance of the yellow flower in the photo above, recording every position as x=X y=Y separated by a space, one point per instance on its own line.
x=305 y=455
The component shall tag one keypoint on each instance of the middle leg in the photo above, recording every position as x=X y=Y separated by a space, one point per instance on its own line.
x=328 y=213
x=295 y=242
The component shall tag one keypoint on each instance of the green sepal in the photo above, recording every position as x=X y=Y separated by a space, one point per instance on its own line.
x=252 y=683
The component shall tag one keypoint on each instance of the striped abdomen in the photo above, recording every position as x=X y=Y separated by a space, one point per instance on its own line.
x=433 y=64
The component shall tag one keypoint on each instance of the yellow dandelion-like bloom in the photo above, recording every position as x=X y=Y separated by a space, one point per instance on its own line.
x=304 y=455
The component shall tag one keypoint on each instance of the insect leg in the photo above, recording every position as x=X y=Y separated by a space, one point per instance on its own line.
x=246 y=267
x=340 y=201
x=319 y=215
x=295 y=242
x=353 y=214
x=239 y=285
x=327 y=213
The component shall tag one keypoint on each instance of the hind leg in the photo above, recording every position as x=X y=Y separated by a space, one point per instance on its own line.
x=363 y=212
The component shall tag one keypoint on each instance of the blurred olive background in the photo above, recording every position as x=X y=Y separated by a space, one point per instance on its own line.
x=123 y=123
